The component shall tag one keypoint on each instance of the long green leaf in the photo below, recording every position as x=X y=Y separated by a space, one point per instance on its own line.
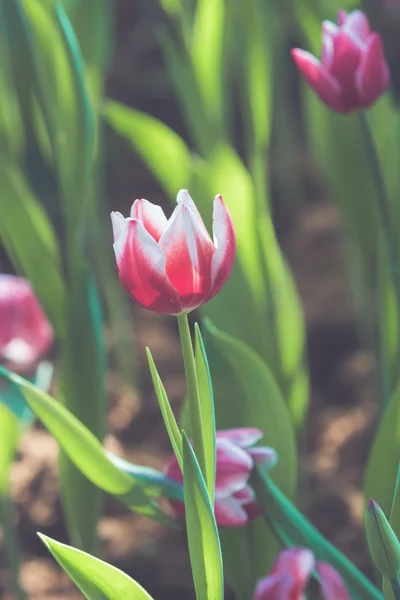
x=84 y=449
x=247 y=396
x=166 y=410
x=29 y=238
x=163 y=151
x=207 y=409
x=208 y=58
x=204 y=545
x=96 y=579
x=10 y=429
x=295 y=530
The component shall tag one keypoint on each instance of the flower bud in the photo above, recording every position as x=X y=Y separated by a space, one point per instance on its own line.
x=383 y=544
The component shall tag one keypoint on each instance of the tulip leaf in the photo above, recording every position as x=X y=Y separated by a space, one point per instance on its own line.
x=384 y=459
x=85 y=450
x=10 y=428
x=157 y=484
x=30 y=240
x=56 y=72
x=248 y=396
x=163 y=151
x=293 y=529
x=166 y=411
x=96 y=579
x=207 y=57
x=204 y=545
x=207 y=409
x=260 y=281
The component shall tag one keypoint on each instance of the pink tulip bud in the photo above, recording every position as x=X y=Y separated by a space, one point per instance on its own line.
x=291 y=574
x=352 y=73
x=235 y=503
x=172 y=266
x=25 y=333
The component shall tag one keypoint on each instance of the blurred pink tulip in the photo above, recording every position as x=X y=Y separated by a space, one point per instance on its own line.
x=235 y=502
x=25 y=333
x=172 y=266
x=352 y=73
x=290 y=576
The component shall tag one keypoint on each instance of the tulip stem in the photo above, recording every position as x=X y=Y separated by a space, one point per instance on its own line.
x=192 y=391
x=384 y=211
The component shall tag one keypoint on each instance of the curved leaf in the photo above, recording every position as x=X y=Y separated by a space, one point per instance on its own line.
x=96 y=579
x=85 y=450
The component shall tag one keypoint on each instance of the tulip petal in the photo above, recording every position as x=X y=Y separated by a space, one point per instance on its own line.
x=118 y=224
x=188 y=250
x=229 y=512
x=342 y=17
x=372 y=76
x=233 y=468
x=332 y=585
x=241 y=436
x=299 y=562
x=142 y=270
x=274 y=587
x=245 y=496
x=25 y=333
x=322 y=82
x=356 y=24
x=183 y=197
x=151 y=216
x=263 y=455
x=225 y=244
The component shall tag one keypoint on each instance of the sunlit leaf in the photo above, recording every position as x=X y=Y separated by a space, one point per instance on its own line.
x=84 y=449
x=206 y=408
x=96 y=579
x=166 y=410
x=163 y=151
x=204 y=546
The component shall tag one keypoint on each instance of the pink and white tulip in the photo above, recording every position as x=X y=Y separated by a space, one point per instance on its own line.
x=235 y=503
x=25 y=333
x=291 y=574
x=172 y=266
x=352 y=73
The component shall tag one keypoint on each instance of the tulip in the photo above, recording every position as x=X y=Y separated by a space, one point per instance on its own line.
x=352 y=73
x=383 y=544
x=25 y=333
x=172 y=266
x=291 y=574
x=235 y=503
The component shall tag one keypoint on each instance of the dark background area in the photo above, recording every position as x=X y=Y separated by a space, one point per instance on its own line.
x=343 y=402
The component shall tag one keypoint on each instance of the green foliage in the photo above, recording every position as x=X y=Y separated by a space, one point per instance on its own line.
x=96 y=579
x=163 y=151
x=206 y=397
x=204 y=545
x=166 y=411
x=248 y=396
x=86 y=452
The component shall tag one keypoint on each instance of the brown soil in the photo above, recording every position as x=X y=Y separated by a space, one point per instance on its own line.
x=343 y=402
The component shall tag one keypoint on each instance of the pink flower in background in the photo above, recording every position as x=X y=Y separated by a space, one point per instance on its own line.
x=234 y=499
x=25 y=333
x=172 y=266
x=352 y=73
x=290 y=576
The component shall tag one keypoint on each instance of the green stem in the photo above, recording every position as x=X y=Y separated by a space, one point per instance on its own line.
x=383 y=205
x=192 y=391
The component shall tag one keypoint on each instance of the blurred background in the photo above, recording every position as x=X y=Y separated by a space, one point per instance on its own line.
x=343 y=374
